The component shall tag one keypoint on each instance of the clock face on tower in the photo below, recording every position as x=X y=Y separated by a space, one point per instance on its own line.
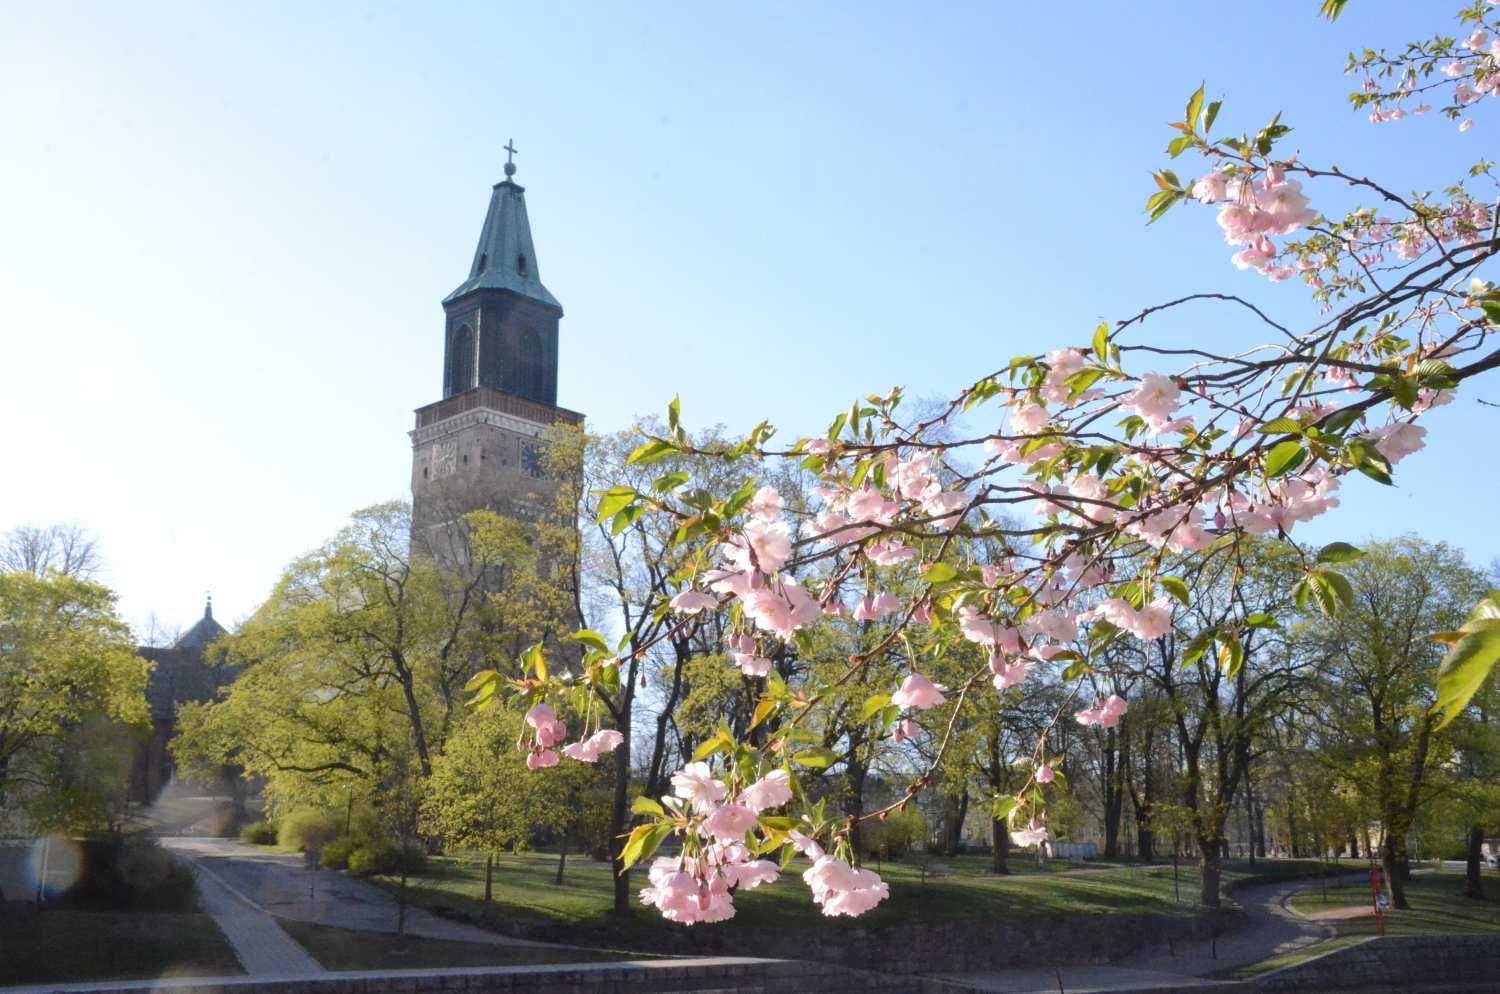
x=531 y=459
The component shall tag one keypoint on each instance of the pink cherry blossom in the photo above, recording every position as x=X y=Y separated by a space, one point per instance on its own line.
x=767 y=504
x=752 y=665
x=1032 y=835
x=1008 y=671
x=1044 y=774
x=905 y=731
x=1155 y=398
x=840 y=889
x=539 y=759
x=695 y=784
x=729 y=822
x=693 y=601
x=770 y=791
x=918 y=692
x=592 y=748
x=1397 y=441
x=1104 y=715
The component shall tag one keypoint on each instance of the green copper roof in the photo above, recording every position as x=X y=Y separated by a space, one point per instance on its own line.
x=505 y=258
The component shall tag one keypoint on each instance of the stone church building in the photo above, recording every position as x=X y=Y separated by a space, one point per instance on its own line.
x=480 y=445
x=179 y=675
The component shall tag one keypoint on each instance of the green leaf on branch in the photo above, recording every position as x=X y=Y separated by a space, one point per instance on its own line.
x=646 y=806
x=716 y=744
x=1211 y=116
x=1177 y=588
x=1101 y=342
x=1004 y=807
x=762 y=711
x=642 y=843
x=590 y=638
x=480 y=679
x=627 y=517
x=1284 y=457
x=650 y=452
x=874 y=705
x=816 y=759
x=611 y=501
x=1470 y=660
x=1331 y=9
x=939 y=573
x=1338 y=552
x=1194 y=107
x=669 y=482
x=1331 y=591
x=1197 y=647
x=1231 y=656
x=1491 y=310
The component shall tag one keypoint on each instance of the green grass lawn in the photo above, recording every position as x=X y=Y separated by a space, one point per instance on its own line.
x=526 y=900
x=1438 y=907
x=60 y=946
x=344 y=949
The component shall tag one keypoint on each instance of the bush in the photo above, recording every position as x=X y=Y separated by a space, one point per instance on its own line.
x=130 y=873
x=259 y=833
x=307 y=828
x=893 y=836
x=336 y=853
x=384 y=856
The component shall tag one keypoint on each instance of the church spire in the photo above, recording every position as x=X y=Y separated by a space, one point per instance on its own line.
x=505 y=258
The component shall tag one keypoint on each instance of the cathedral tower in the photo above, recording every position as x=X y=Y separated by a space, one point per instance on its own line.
x=479 y=447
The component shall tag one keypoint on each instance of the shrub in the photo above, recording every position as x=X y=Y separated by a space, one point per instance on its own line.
x=336 y=853
x=893 y=836
x=259 y=833
x=130 y=872
x=307 y=828
x=384 y=856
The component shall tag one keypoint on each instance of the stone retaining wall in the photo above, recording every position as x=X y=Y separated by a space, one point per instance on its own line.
x=1468 y=963
x=966 y=946
x=723 y=975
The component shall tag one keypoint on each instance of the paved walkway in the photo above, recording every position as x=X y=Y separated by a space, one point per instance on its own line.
x=1269 y=928
x=280 y=886
x=263 y=948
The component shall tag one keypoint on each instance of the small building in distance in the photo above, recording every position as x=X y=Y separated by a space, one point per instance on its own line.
x=180 y=674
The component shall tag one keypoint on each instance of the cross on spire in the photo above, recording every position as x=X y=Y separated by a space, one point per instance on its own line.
x=510 y=154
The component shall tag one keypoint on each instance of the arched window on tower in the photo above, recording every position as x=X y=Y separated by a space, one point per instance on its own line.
x=533 y=365
x=460 y=361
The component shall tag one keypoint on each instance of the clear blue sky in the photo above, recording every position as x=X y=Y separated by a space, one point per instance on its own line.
x=225 y=231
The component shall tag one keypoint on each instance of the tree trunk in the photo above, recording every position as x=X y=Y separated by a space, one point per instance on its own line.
x=854 y=802
x=1474 y=883
x=619 y=815
x=1249 y=818
x=1291 y=826
x=489 y=877
x=1114 y=796
x=1000 y=846
x=1211 y=864
x=1392 y=854
x=562 y=860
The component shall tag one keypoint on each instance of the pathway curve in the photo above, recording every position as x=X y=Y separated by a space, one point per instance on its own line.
x=1268 y=928
x=280 y=885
